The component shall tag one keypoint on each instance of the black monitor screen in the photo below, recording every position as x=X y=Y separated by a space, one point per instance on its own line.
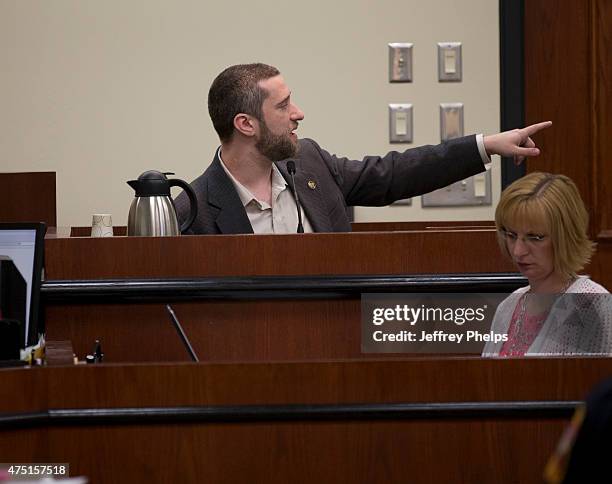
x=21 y=262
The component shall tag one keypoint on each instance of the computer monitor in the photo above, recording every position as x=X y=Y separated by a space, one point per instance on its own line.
x=21 y=260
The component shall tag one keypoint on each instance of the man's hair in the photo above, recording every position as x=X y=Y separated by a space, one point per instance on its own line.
x=234 y=91
x=553 y=203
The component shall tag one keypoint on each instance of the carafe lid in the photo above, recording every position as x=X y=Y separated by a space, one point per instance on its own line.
x=151 y=183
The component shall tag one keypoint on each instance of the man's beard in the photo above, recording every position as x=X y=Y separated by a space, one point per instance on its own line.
x=275 y=147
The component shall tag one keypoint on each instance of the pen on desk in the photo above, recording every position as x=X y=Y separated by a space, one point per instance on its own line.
x=181 y=333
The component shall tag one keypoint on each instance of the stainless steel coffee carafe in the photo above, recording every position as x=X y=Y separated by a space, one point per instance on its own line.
x=152 y=211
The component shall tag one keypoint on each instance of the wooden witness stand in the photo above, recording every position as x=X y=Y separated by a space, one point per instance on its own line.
x=283 y=393
x=245 y=297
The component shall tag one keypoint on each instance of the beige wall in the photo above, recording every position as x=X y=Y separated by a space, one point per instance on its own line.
x=100 y=91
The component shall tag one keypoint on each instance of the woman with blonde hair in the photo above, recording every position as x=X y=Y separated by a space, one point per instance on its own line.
x=542 y=226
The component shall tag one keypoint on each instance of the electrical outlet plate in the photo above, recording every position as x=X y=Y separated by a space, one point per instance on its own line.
x=400 y=62
x=449 y=62
x=400 y=123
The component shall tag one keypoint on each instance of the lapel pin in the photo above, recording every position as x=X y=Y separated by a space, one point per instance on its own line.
x=312 y=184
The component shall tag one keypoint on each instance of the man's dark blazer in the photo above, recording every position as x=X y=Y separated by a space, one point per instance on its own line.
x=327 y=184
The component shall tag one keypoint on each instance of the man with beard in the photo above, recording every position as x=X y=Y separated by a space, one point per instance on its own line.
x=248 y=189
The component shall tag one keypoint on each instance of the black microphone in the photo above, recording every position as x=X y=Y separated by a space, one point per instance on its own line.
x=291 y=169
x=181 y=333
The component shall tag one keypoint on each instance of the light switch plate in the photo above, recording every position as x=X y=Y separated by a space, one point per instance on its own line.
x=473 y=191
x=449 y=61
x=480 y=185
x=400 y=123
x=451 y=121
x=400 y=62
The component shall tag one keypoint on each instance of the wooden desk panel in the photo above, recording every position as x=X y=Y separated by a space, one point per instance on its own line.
x=425 y=252
x=218 y=330
x=270 y=330
x=412 y=226
x=399 y=449
x=328 y=452
x=28 y=197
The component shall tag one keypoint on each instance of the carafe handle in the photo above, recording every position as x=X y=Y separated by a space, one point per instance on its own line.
x=193 y=202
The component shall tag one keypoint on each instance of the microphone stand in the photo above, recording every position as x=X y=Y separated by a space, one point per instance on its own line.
x=291 y=169
x=181 y=333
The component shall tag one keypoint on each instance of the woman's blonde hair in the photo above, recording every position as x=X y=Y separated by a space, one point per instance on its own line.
x=551 y=202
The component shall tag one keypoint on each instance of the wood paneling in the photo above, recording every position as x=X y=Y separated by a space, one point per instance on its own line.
x=558 y=87
x=86 y=231
x=243 y=330
x=28 y=197
x=472 y=449
x=243 y=255
x=602 y=111
x=356 y=227
x=328 y=452
x=403 y=226
x=218 y=331
x=568 y=79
